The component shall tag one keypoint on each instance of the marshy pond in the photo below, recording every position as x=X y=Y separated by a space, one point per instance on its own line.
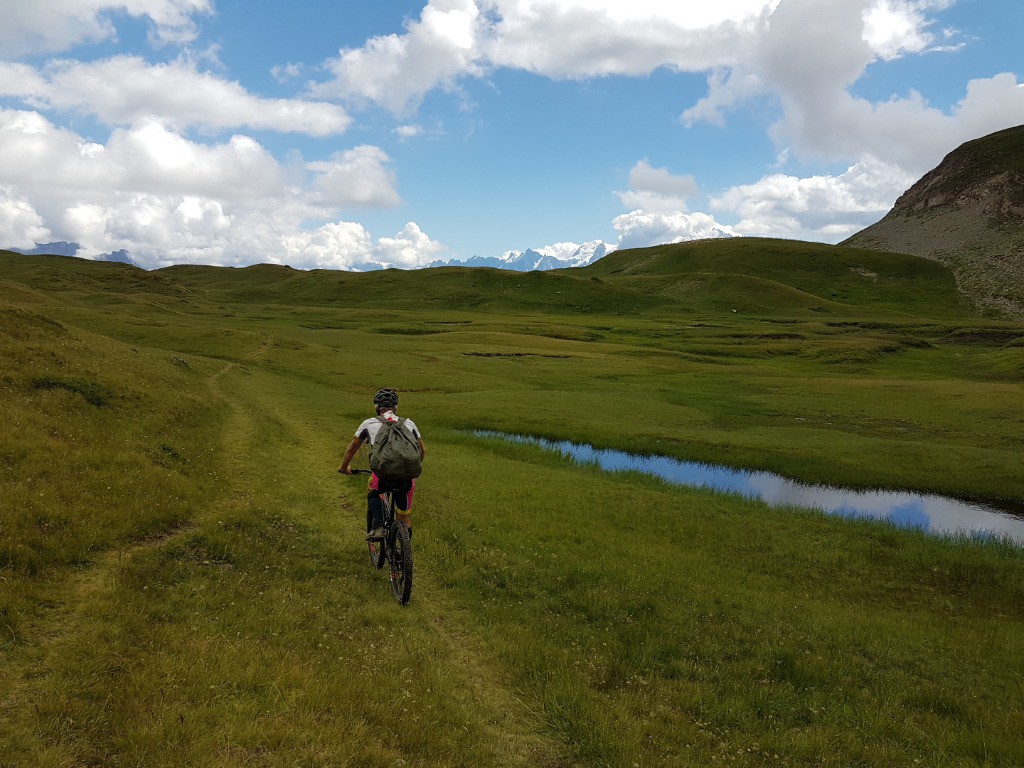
x=939 y=515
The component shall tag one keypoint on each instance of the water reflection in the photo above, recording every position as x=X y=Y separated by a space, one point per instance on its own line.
x=936 y=514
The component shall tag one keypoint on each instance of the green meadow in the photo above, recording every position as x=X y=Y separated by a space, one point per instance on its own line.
x=183 y=580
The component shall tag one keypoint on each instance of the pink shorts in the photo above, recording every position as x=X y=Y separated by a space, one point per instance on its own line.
x=399 y=497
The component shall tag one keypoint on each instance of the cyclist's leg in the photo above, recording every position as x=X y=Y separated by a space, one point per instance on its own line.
x=374 y=507
x=403 y=504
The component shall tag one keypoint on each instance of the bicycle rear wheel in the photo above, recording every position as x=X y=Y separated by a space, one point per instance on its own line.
x=400 y=557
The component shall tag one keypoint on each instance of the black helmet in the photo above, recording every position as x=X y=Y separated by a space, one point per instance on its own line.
x=386 y=398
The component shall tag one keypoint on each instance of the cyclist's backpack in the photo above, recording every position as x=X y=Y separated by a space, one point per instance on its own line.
x=395 y=457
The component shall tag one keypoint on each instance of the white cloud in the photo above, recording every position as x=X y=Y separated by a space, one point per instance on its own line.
x=582 y=38
x=149 y=157
x=20 y=81
x=396 y=71
x=805 y=54
x=809 y=55
x=820 y=208
x=48 y=26
x=20 y=225
x=406 y=132
x=124 y=89
x=658 y=213
x=167 y=199
x=348 y=245
x=356 y=177
x=895 y=27
x=562 y=39
x=338 y=245
x=287 y=72
x=560 y=251
x=639 y=229
x=408 y=249
x=657 y=189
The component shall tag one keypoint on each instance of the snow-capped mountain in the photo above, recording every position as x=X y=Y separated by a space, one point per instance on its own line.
x=553 y=257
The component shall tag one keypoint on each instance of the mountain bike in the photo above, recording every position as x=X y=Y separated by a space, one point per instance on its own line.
x=395 y=549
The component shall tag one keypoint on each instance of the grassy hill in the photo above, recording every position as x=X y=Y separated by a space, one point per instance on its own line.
x=968 y=214
x=755 y=276
x=185 y=582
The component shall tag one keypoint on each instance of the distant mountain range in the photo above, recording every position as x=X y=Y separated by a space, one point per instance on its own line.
x=968 y=214
x=531 y=260
x=519 y=261
x=64 y=248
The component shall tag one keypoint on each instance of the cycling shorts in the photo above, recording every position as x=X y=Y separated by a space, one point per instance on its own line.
x=402 y=495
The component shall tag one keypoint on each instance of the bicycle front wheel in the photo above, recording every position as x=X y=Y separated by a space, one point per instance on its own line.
x=400 y=557
x=378 y=556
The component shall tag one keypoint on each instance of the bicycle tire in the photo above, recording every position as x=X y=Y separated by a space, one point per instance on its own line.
x=400 y=558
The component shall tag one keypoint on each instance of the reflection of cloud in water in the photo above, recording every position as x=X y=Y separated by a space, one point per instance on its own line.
x=931 y=513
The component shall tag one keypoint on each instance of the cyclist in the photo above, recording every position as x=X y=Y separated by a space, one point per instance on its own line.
x=386 y=404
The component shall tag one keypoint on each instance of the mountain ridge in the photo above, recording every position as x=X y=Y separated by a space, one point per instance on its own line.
x=968 y=214
x=532 y=260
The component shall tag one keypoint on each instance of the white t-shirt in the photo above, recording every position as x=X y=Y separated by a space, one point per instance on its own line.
x=368 y=429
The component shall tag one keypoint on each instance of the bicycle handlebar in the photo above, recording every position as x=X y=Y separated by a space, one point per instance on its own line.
x=361 y=472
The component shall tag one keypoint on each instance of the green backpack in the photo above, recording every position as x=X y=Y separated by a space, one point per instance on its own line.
x=395 y=457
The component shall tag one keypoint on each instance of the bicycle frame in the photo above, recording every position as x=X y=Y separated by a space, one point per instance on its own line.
x=395 y=549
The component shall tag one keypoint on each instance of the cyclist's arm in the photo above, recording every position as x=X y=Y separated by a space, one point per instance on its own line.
x=423 y=451
x=350 y=452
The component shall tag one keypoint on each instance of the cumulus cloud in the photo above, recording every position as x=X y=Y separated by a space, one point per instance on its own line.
x=20 y=225
x=805 y=54
x=822 y=208
x=409 y=248
x=396 y=71
x=49 y=26
x=453 y=39
x=657 y=199
x=144 y=158
x=811 y=52
x=639 y=229
x=356 y=177
x=348 y=245
x=895 y=27
x=337 y=245
x=168 y=199
x=657 y=189
x=124 y=89
x=580 y=38
x=406 y=132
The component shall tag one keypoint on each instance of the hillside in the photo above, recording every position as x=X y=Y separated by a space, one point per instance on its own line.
x=749 y=276
x=185 y=579
x=774 y=274
x=968 y=214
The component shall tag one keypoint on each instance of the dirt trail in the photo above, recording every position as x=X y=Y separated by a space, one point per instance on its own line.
x=44 y=636
x=512 y=730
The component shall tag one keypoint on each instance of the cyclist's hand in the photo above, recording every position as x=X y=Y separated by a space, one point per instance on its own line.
x=345 y=470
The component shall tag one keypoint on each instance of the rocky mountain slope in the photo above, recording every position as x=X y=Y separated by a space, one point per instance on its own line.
x=967 y=213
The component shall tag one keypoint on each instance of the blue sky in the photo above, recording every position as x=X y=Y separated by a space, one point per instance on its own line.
x=344 y=134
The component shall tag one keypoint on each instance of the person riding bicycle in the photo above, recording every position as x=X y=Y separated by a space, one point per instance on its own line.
x=386 y=404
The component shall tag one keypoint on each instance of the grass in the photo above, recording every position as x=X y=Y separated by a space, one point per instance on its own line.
x=184 y=581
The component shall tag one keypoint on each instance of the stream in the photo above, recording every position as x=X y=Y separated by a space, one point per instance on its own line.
x=932 y=513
